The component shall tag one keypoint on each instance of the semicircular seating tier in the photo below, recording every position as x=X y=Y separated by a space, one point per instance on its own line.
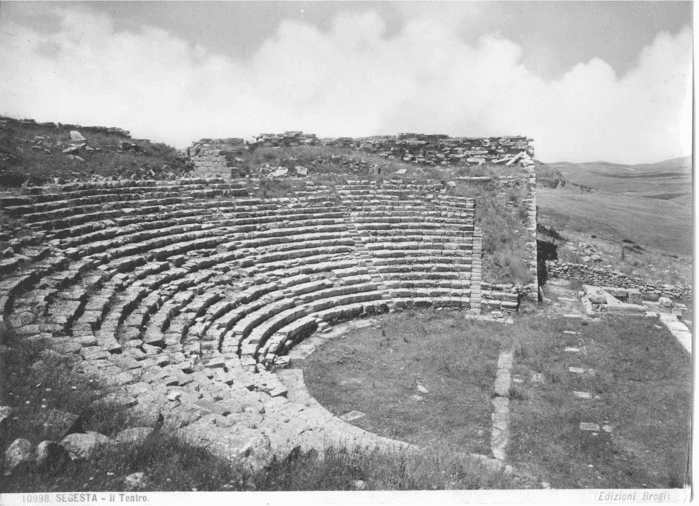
x=198 y=281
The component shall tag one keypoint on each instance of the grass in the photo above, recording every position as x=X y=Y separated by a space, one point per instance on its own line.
x=34 y=391
x=654 y=224
x=377 y=371
x=669 y=179
x=643 y=380
x=23 y=157
x=504 y=223
x=324 y=160
x=171 y=464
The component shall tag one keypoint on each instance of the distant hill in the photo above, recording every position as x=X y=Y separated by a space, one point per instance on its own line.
x=682 y=164
x=665 y=180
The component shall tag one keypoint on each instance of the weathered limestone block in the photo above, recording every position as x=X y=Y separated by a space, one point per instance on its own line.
x=84 y=445
x=18 y=457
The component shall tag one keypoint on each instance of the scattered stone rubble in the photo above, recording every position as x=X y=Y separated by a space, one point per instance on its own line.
x=292 y=138
x=610 y=299
x=442 y=149
x=64 y=441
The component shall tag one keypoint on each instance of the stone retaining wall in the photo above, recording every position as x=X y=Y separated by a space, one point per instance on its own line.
x=217 y=158
x=599 y=276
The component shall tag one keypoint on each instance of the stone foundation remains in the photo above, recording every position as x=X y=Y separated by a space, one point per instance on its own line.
x=600 y=276
x=222 y=157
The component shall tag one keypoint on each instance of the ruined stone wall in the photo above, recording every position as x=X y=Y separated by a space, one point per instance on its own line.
x=600 y=276
x=216 y=158
x=67 y=126
x=441 y=149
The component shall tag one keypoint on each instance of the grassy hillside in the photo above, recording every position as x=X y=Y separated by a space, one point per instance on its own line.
x=666 y=180
x=650 y=222
x=34 y=152
x=660 y=230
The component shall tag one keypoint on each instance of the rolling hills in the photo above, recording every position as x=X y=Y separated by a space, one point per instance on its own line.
x=666 y=180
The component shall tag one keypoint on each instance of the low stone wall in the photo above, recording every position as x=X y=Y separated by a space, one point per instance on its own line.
x=499 y=297
x=600 y=276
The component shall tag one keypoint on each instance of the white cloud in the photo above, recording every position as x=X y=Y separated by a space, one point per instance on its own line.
x=350 y=81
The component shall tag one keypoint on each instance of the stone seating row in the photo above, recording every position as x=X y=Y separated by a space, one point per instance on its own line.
x=387 y=208
x=199 y=312
x=428 y=270
x=423 y=223
x=362 y=201
x=411 y=243
x=17 y=206
x=403 y=214
x=115 y=185
x=86 y=201
x=129 y=240
x=399 y=208
x=405 y=183
x=259 y=335
x=67 y=217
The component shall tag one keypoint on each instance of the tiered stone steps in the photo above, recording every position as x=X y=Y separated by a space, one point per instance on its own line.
x=198 y=287
x=418 y=240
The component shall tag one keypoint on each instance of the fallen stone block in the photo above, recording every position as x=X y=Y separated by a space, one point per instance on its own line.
x=51 y=457
x=60 y=424
x=18 y=457
x=84 y=446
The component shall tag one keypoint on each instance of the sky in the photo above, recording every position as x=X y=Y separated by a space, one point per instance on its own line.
x=586 y=80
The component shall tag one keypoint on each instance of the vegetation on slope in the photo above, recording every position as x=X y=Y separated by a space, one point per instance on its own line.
x=548 y=175
x=32 y=152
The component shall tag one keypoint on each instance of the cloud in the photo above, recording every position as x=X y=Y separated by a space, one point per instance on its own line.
x=350 y=80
